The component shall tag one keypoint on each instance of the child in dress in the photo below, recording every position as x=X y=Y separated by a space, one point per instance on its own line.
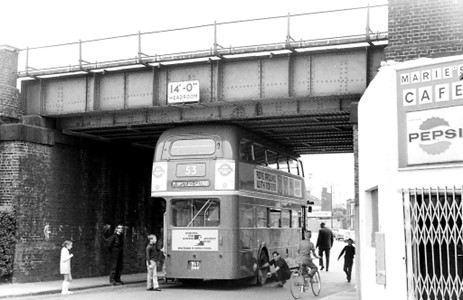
x=65 y=267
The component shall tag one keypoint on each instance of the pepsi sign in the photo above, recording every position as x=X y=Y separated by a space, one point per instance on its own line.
x=429 y=111
x=435 y=136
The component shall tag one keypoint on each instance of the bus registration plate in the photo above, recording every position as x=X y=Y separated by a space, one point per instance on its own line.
x=194 y=265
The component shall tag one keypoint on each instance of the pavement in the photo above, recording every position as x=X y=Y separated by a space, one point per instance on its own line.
x=12 y=290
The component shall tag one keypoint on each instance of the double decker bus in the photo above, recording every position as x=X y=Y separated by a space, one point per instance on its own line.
x=232 y=198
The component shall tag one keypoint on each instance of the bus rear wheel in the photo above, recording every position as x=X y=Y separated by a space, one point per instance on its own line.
x=262 y=271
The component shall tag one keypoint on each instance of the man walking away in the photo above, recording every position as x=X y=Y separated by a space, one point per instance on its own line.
x=324 y=243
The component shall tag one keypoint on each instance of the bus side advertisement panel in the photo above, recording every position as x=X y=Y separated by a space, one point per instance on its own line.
x=194 y=239
x=277 y=183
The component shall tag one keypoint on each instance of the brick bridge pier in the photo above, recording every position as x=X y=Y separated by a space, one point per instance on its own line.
x=55 y=187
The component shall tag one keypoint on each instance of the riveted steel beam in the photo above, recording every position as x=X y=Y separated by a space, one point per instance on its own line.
x=305 y=93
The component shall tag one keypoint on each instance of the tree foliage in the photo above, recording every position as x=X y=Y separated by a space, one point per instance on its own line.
x=7 y=243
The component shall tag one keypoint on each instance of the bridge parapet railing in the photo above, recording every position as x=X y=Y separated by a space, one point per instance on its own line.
x=269 y=35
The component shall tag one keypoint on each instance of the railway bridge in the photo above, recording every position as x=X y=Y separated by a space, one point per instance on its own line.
x=77 y=141
x=299 y=93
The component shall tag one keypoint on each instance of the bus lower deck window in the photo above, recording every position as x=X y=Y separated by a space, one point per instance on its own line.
x=195 y=212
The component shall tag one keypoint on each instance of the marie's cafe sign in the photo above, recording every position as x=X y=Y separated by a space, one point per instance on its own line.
x=430 y=114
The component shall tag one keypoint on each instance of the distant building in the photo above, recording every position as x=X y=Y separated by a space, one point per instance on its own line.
x=314 y=215
x=327 y=200
x=312 y=199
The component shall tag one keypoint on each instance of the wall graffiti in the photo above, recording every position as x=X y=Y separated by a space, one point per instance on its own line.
x=134 y=234
x=76 y=232
x=46 y=231
x=72 y=232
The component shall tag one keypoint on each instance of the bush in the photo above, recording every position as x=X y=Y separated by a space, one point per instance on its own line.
x=7 y=242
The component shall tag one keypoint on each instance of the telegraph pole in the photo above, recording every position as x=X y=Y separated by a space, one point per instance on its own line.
x=331 y=199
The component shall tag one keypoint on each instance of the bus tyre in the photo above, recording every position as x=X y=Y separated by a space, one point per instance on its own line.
x=262 y=272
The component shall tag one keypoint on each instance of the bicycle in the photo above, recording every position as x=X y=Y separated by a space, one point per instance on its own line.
x=298 y=284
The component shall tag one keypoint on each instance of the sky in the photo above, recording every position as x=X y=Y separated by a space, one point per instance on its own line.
x=33 y=23
x=333 y=171
x=42 y=22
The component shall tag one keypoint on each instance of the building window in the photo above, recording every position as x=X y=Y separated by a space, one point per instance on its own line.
x=371 y=216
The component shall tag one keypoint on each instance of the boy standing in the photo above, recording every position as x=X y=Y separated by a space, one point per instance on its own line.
x=152 y=257
x=349 y=252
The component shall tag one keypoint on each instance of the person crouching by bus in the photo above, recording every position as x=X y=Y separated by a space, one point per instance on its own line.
x=306 y=247
x=280 y=270
x=153 y=255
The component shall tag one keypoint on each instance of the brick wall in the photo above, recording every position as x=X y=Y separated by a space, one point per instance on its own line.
x=9 y=95
x=77 y=192
x=59 y=187
x=424 y=28
x=9 y=164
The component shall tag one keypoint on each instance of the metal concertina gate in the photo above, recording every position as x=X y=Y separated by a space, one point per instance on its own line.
x=434 y=242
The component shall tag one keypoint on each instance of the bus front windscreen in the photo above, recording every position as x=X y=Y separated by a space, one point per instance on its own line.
x=195 y=212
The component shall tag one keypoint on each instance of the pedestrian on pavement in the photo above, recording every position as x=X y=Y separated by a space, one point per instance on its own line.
x=65 y=266
x=153 y=256
x=306 y=247
x=280 y=270
x=116 y=245
x=349 y=253
x=324 y=243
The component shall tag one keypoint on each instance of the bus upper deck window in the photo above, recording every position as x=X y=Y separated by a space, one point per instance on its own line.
x=293 y=166
x=272 y=159
x=193 y=147
x=259 y=155
x=246 y=151
x=283 y=163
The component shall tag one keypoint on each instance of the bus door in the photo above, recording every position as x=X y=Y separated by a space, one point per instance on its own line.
x=247 y=239
x=303 y=221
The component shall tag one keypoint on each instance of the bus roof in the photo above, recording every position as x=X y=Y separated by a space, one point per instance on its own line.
x=223 y=130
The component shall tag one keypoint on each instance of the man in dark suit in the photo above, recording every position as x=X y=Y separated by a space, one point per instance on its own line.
x=324 y=243
x=116 y=249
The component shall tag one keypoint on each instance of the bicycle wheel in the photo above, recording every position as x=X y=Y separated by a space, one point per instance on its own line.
x=316 y=284
x=296 y=284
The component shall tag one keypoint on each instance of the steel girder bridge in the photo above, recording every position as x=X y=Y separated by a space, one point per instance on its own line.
x=302 y=94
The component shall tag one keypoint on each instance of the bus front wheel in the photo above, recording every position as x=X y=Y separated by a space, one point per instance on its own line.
x=262 y=271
